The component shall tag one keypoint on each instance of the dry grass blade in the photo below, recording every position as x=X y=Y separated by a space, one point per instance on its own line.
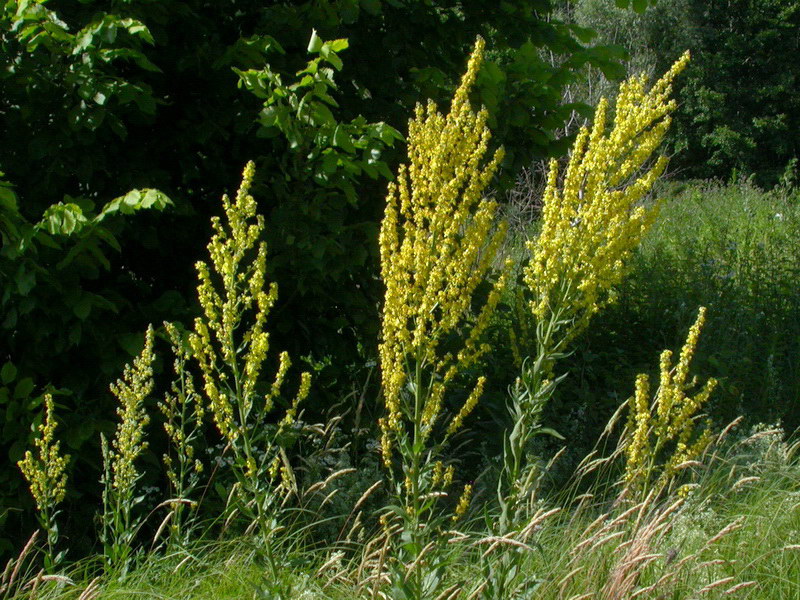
x=91 y=591
x=495 y=541
x=730 y=527
x=536 y=521
x=739 y=586
x=451 y=593
x=325 y=482
x=8 y=580
x=724 y=433
x=715 y=584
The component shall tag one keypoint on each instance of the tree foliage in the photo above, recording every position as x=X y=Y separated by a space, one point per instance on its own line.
x=739 y=101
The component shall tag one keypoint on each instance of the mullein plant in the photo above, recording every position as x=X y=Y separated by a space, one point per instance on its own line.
x=592 y=221
x=593 y=218
x=438 y=239
x=230 y=344
x=660 y=440
x=46 y=473
x=120 y=473
x=184 y=411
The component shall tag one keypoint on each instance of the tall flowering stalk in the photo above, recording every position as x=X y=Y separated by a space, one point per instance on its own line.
x=120 y=473
x=230 y=344
x=184 y=411
x=437 y=242
x=47 y=478
x=660 y=435
x=592 y=221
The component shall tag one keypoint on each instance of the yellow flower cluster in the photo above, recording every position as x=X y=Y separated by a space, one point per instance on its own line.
x=670 y=418
x=46 y=473
x=463 y=503
x=595 y=218
x=230 y=361
x=437 y=242
x=131 y=392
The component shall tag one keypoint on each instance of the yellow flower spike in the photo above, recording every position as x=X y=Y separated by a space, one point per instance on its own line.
x=437 y=241
x=131 y=392
x=449 y=473
x=230 y=343
x=463 y=503
x=46 y=472
x=670 y=419
x=687 y=352
x=595 y=219
x=468 y=406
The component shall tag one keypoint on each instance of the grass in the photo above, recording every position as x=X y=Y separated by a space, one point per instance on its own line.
x=737 y=535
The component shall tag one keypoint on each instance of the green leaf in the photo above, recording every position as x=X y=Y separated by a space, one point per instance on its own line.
x=342 y=139
x=83 y=307
x=23 y=388
x=8 y=199
x=315 y=43
x=339 y=45
x=63 y=219
x=134 y=201
x=372 y=7
x=551 y=432
x=8 y=373
x=329 y=55
x=25 y=280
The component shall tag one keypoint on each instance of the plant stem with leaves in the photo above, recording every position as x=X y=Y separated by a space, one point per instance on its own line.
x=120 y=474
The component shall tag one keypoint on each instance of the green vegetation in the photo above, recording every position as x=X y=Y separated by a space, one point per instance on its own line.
x=739 y=108
x=580 y=385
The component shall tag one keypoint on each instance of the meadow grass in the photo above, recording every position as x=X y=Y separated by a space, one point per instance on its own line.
x=736 y=535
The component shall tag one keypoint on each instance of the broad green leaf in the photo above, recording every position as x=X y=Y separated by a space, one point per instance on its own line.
x=135 y=200
x=63 y=219
x=328 y=54
x=83 y=307
x=8 y=373
x=8 y=199
x=341 y=138
x=25 y=280
x=339 y=45
x=23 y=388
x=372 y=7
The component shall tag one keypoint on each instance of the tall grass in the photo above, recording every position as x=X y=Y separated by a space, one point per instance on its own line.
x=737 y=535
